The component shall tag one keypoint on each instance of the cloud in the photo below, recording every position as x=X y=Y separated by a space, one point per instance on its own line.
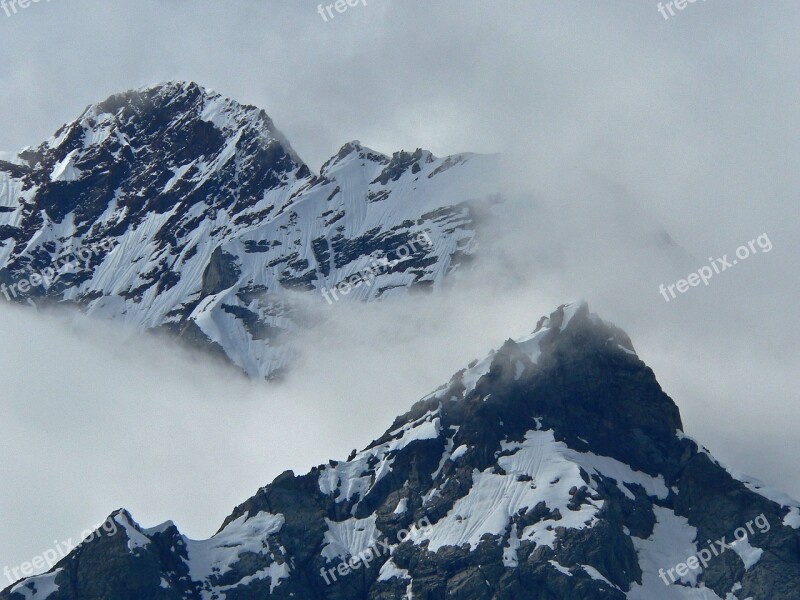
x=619 y=122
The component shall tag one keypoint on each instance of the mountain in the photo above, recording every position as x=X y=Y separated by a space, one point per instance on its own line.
x=173 y=209
x=554 y=469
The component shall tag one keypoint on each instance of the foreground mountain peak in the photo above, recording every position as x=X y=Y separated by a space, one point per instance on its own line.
x=555 y=468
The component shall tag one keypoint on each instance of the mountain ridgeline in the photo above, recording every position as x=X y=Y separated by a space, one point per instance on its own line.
x=554 y=469
x=208 y=222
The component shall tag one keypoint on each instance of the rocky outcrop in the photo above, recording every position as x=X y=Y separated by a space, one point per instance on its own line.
x=555 y=468
x=206 y=222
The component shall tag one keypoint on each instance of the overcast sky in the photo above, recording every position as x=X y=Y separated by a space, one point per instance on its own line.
x=608 y=109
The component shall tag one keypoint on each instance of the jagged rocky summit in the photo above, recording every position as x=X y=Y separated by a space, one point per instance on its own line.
x=172 y=208
x=554 y=469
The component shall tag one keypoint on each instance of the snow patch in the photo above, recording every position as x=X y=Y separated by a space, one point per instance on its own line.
x=539 y=470
x=218 y=555
x=349 y=538
x=622 y=474
x=389 y=570
x=177 y=175
x=38 y=587
x=570 y=310
x=672 y=543
x=749 y=555
x=355 y=478
x=66 y=169
x=12 y=158
x=596 y=575
x=560 y=568
x=459 y=452
x=401 y=507
x=792 y=519
x=510 y=558
x=135 y=538
x=762 y=489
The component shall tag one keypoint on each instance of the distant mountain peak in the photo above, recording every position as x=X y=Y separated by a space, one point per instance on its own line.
x=353 y=151
x=211 y=216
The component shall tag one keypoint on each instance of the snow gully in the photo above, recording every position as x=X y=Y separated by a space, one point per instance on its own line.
x=378 y=548
x=706 y=554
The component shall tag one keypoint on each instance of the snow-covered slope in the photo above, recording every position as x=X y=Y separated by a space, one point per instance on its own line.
x=174 y=208
x=556 y=468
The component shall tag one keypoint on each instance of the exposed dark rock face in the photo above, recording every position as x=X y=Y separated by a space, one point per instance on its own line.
x=554 y=469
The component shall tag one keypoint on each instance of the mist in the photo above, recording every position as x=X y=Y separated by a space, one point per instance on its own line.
x=619 y=126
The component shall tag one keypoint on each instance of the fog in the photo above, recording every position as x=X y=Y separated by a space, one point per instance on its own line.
x=617 y=123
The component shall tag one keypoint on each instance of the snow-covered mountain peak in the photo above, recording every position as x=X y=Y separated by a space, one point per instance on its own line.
x=202 y=215
x=164 y=107
x=566 y=476
x=153 y=149
x=570 y=324
x=352 y=154
x=570 y=317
